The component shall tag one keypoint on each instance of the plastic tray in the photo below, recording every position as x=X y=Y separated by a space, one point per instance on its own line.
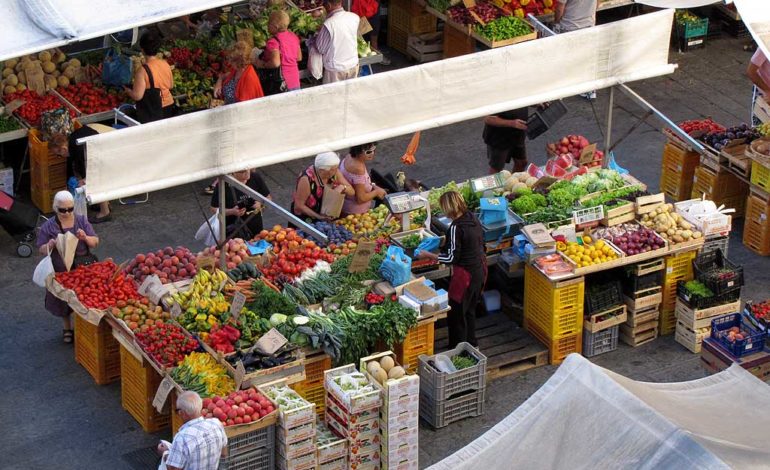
x=753 y=344
x=600 y=342
x=443 y=385
x=699 y=303
x=603 y=297
x=706 y=267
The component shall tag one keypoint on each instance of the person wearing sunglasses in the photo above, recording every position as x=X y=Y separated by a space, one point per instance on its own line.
x=63 y=222
x=354 y=169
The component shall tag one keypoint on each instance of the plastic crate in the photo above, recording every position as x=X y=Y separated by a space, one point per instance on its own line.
x=556 y=308
x=600 y=342
x=760 y=175
x=398 y=39
x=713 y=243
x=756 y=229
x=700 y=302
x=443 y=385
x=440 y=413
x=602 y=297
x=743 y=347
x=680 y=265
x=412 y=23
x=315 y=394
x=418 y=341
x=138 y=384
x=42 y=198
x=97 y=351
x=718 y=273
x=559 y=348
x=259 y=459
x=692 y=29
x=695 y=42
x=717 y=186
x=678 y=169
x=667 y=322
x=176 y=420
x=644 y=282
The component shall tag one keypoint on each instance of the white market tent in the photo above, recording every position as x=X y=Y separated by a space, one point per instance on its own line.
x=28 y=26
x=280 y=128
x=587 y=417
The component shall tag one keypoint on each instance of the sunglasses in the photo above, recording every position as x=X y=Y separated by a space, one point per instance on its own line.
x=64 y=210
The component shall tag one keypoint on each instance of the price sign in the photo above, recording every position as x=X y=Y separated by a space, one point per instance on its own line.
x=205 y=262
x=176 y=310
x=239 y=300
x=240 y=373
x=150 y=282
x=161 y=395
x=270 y=342
x=487 y=183
x=361 y=256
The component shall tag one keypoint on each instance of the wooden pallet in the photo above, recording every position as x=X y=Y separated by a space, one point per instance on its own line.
x=509 y=348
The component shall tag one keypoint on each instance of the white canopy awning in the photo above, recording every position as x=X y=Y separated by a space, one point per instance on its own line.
x=29 y=26
x=295 y=125
x=756 y=15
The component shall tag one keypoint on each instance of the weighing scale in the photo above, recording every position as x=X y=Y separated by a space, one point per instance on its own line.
x=487 y=183
x=403 y=204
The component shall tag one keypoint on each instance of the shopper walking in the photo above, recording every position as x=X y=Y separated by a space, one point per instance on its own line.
x=241 y=83
x=323 y=175
x=465 y=252
x=199 y=444
x=572 y=15
x=354 y=169
x=505 y=136
x=243 y=214
x=278 y=63
x=153 y=83
x=337 y=42
x=65 y=221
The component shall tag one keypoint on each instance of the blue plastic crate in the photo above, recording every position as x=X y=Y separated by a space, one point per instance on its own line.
x=742 y=347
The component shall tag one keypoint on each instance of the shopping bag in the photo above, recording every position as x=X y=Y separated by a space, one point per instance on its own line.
x=332 y=202
x=429 y=244
x=411 y=149
x=43 y=269
x=493 y=210
x=315 y=64
x=396 y=268
x=116 y=70
x=208 y=231
x=81 y=202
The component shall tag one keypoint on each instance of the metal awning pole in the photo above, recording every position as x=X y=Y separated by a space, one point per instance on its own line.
x=307 y=228
x=222 y=223
x=608 y=133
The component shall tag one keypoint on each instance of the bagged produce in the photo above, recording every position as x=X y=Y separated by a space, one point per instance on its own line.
x=396 y=268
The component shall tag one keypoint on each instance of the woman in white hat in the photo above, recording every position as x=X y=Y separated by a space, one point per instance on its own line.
x=311 y=183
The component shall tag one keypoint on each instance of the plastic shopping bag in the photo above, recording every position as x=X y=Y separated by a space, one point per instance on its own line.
x=209 y=230
x=429 y=244
x=315 y=64
x=81 y=204
x=411 y=149
x=396 y=268
x=43 y=269
x=116 y=69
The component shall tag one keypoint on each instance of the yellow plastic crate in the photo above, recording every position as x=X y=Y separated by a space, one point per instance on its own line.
x=316 y=394
x=666 y=322
x=97 y=351
x=559 y=348
x=756 y=229
x=760 y=175
x=137 y=390
x=419 y=340
x=556 y=308
x=679 y=265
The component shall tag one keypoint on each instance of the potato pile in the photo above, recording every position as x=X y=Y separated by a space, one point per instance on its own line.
x=385 y=369
x=670 y=225
x=57 y=71
x=521 y=179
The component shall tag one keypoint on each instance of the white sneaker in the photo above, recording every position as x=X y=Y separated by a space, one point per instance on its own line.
x=591 y=95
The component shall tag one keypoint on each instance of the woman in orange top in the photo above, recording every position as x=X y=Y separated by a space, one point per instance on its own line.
x=154 y=75
x=242 y=83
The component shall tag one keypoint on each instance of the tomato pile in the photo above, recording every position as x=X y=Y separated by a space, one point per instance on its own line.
x=166 y=343
x=94 y=286
x=761 y=311
x=241 y=407
x=35 y=105
x=295 y=254
x=706 y=125
x=374 y=299
x=90 y=99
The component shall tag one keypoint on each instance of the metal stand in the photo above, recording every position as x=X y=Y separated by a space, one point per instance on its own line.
x=222 y=223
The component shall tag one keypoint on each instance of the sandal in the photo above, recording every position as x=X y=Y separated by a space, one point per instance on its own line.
x=68 y=336
x=209 y=190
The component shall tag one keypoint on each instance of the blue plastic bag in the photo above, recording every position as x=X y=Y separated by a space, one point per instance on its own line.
x=428 y=244
x=116 y=70
x=613 y=165
x=396 y=268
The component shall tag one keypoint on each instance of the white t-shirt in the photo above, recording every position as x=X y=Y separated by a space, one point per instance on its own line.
x=578 y=14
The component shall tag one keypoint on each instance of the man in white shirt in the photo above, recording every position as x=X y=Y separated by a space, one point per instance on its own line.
x=199 y=443
x=571 y=15
x=337 y=42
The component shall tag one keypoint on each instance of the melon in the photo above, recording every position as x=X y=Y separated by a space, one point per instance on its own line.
x=380 y=376
x=63 y=81
x=396 y=372
x=387 y=363
x=372 y=367
x=44 y=56
x=12 y=80
x=49 y=67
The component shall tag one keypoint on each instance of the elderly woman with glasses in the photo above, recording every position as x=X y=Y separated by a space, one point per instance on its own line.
x=323 y=175
x=354 y=169
x=65 y=221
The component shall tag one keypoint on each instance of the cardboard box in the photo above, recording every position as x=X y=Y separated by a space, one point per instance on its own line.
x=332 y=451
x=364 y=458
x=402 y=404
x=289 y=419
x=337 y=408
x=400 y=454
x=6 y=181
x=396 y=437
x=336 y=464
x=352 y=403
x=401 y=420
x=403 y=465
x=302 y=462
x=343 y=428
x=296 y=434
x=297 y=449
x=410 y=304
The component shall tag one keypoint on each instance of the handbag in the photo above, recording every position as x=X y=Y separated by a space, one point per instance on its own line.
x=272 y=79
x=116 y=70
x=57 y=121
x=150 y=107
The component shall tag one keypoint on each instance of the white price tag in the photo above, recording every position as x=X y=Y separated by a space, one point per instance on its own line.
x=270 y=342
x=176 y=310
x=148 y=284
x=161 y=395
x=239 y=300
x=240 y=373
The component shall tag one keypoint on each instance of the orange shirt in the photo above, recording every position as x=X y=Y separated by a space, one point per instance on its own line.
x=163 y=78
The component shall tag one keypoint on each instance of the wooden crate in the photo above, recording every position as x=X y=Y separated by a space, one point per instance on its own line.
x=426 y=47
x=97 y=351
x=644 y=299
x=398 y=39
x=406 y=19
x=678 y=170
x=138 y=383
x=639 y=335
x=701 y=318
x=637 y=318
x=605 y=319
x=646 y=204
x=689 y=338
x=756 y=228
x=506 y=42
x=457 y=42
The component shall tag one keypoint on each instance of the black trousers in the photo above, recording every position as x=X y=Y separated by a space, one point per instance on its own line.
x=461 y=320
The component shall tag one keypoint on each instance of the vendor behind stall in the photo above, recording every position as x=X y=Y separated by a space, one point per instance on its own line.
x=465 y=252
x=323 y=174
x=242 y=210
x=354 y=168
x=65 y=221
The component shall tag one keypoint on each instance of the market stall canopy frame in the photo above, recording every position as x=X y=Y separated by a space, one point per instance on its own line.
x=295 y=125
x=30 y=26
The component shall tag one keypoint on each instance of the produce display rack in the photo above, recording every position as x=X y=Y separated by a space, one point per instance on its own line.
x=138 y=384
x=508 y=348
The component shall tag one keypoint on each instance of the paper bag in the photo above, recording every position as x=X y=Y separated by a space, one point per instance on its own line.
x=364 y=26
x=331 y=204
x=35 y=77
x=67 y=244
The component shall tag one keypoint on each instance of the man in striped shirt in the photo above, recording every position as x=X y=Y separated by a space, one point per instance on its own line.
x=337 y=42
x=199 y=443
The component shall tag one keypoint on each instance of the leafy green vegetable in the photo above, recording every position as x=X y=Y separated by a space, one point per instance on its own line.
x=388 y=322
x=411 y=241
x=698 y=290
x=269 y=302
x=463 y=361
x=528 y=203
x=505 y=27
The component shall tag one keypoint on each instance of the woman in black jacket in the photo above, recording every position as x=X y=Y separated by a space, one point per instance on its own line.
x=465 y=252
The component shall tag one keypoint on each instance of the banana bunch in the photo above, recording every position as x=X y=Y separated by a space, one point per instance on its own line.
x=764 y=129
x=205 y=288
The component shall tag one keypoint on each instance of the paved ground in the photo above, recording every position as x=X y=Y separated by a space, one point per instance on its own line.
x=53 y=414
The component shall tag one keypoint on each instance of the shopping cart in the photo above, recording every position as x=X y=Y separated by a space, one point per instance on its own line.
x=20 y=221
